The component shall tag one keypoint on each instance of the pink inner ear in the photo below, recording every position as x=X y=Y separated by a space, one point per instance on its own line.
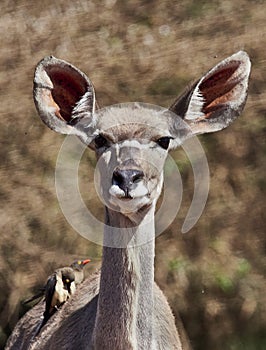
x=68 y=88
x=218 y=88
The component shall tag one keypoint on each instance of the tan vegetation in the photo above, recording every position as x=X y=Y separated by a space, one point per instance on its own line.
x=214 y=276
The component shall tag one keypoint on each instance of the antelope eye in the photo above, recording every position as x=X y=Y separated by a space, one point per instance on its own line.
x=100 y=141
x=164 y=142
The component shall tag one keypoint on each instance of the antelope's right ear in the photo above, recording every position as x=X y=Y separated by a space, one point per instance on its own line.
x=216 y=99
x=64 y=97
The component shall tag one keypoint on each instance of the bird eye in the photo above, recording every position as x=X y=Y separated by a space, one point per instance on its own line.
x=67 y=280
x=79 y=262
x=164 y=142
x=100 y=141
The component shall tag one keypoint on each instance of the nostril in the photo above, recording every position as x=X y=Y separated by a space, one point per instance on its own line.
x=137 y=176
x=117 y=177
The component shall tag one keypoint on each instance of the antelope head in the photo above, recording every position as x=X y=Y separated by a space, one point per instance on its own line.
x=131 y=140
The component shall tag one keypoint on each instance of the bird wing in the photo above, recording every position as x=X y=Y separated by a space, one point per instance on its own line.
x=49 y=293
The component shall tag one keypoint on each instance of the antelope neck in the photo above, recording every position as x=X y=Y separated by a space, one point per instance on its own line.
x=125 y=305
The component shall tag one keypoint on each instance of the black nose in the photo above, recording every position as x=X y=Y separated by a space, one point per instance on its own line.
x=126 y=178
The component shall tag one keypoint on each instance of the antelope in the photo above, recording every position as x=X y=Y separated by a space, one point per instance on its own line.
x=121 y=307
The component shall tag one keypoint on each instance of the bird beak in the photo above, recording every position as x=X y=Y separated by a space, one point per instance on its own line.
x=84 y=262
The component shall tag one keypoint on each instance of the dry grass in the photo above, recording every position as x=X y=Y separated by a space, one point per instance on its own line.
x=146 y=51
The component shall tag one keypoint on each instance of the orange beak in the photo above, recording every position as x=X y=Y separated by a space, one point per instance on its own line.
x=84 y=262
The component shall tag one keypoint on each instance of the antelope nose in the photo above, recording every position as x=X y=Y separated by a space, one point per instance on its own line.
x=126 y=178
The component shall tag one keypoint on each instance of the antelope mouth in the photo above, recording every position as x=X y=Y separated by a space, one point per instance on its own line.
x=128 y=194
x=129 y=200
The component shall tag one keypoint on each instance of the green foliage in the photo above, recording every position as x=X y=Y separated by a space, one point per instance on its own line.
x=175 y=265
x=224 y=282
x=243 y=268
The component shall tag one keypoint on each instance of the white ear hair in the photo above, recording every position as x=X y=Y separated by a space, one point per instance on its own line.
x=64 y=98
x=218 y=98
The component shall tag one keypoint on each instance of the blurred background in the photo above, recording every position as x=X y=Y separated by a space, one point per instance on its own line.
x=214 y=275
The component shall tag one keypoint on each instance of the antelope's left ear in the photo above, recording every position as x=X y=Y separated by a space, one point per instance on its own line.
x=64 y=97
x=218 y=98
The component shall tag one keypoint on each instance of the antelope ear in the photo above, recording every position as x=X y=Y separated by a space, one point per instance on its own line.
x=64 y=97
x=218 y=98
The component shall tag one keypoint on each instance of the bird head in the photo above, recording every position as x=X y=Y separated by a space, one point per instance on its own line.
x=79 y=264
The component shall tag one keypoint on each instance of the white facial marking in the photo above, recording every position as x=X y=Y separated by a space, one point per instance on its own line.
x=107 y=156
x=140 y=190
x=117 y=149
x=133 y=144
x=116 y=191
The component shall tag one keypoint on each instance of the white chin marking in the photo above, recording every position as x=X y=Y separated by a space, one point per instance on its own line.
x=128 y=205
x=139 y=191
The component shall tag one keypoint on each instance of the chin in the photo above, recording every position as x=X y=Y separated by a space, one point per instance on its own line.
x=129 y=206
